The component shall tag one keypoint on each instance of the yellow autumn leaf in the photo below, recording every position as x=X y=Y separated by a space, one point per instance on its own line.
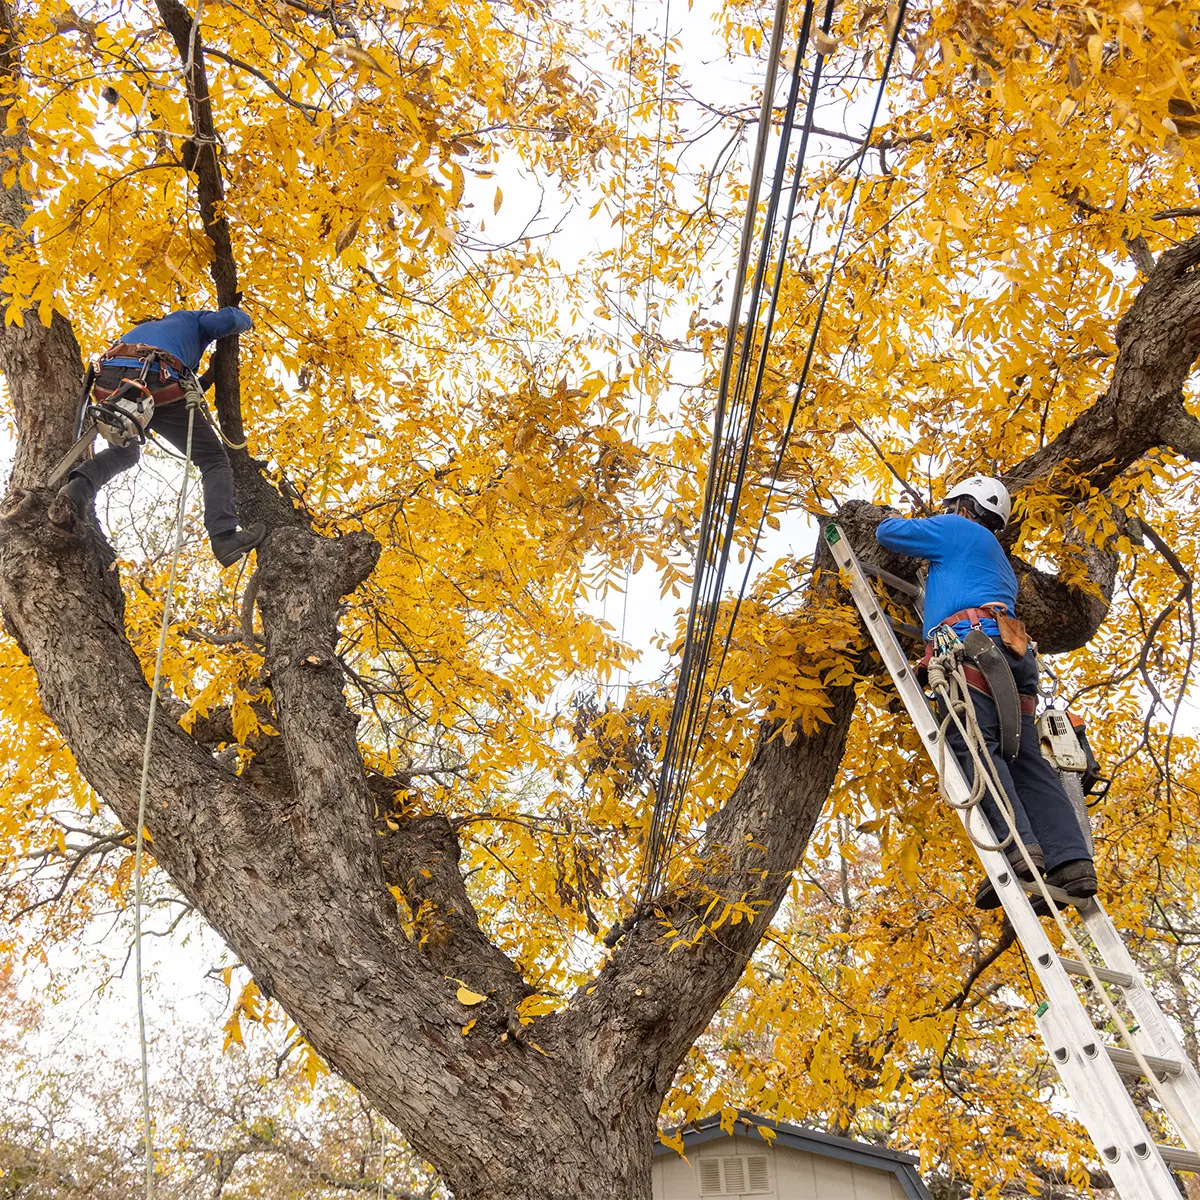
x=467 y=997
x=358 y=57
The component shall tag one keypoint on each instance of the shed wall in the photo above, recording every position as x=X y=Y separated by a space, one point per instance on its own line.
x=794 y=1175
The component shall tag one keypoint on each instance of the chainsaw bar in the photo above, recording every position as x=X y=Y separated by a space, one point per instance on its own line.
x=73 y=455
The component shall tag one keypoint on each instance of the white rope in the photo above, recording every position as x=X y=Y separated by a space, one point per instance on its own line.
x=973 y=737
x=139 y=841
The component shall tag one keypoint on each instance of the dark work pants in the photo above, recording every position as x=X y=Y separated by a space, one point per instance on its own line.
x=170 y=423
x=1043 y=812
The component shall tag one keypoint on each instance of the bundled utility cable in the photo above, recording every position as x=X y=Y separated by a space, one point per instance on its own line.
x=734 y=425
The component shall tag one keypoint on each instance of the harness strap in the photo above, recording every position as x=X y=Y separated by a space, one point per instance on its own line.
x=168 y=389
x=144 y=353
x=978 y=680
x=990 y=662
x=985 y=612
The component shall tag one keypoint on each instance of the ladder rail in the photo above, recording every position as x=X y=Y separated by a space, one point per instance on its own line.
x=1133 y=1161
x=1154 y=1033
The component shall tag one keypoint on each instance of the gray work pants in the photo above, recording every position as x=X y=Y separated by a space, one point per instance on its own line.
x=170 y=423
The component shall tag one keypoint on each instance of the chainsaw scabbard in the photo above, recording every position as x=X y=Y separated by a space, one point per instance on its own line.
x=987 y=657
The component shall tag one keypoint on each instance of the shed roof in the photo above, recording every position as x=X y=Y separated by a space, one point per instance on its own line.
x=810 y=1141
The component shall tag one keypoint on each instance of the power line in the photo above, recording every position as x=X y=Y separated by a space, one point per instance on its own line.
x=730 y=452
x=711 y=557
x=812 y=343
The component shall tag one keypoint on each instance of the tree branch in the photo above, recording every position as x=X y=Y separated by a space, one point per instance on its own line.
x=1158 y=341
x=255 y=494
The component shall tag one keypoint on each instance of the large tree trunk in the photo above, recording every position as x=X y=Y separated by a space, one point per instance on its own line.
x=289 y=864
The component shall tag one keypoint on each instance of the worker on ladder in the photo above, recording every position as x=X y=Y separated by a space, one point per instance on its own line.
x=972 y=585
x=146 y=375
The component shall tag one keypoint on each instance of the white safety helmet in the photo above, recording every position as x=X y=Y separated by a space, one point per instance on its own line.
x=990 y=496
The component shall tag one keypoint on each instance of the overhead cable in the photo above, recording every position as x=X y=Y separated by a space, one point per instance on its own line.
x=734 y=423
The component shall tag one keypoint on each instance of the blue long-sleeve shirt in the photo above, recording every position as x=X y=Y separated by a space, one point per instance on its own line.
x=187 y=333
x=967 y=565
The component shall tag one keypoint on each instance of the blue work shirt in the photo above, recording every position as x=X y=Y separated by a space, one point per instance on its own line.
x=186 y=334
x=967 y=565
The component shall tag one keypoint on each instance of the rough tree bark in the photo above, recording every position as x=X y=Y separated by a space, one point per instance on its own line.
x=290 y=868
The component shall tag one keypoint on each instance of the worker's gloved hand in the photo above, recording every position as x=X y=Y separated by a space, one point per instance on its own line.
x=237 y=297
x=208 y=378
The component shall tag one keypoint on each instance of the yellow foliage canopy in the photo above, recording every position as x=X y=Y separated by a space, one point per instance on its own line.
x=452 y=397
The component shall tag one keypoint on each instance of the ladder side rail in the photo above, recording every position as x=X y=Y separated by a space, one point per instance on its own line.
x=1125 y=1146
x=1154 y=1034
x=1094 y=1074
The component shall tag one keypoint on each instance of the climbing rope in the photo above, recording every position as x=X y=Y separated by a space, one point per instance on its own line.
x=948 y=681
x=194 y=400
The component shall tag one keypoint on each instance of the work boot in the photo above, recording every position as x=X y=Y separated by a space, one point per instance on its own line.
x=985 y=896
x=1077 y=878
x=229 y=547
x=79 y=492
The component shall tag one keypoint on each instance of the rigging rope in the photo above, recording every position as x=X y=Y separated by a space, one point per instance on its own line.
x=730 y=455
x=658 y=157
x=621 y=280
x=139 y=842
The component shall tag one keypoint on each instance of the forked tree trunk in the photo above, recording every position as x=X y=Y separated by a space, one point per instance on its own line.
x=287 y=863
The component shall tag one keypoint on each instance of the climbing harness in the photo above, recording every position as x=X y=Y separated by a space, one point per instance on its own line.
x=122 y=414
x=1091 y=1071
x=194 y=400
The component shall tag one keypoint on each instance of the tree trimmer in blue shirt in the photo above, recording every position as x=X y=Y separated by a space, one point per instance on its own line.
x=137 y=389
x=970 y=605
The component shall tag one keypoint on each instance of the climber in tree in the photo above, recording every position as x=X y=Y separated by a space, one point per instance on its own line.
x=971 y=584
x=146 y=377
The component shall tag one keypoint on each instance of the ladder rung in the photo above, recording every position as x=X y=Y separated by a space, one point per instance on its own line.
x=1180 y=1159
x=893 y=581
x=1126 y=1064
x=1056 y=894
x=1120 y=978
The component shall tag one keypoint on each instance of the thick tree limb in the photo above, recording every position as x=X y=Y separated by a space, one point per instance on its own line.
x=421 y=859
x=1158 y=342
x=256 y=498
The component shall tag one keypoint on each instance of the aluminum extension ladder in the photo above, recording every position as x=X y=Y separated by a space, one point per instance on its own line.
x=1093 y=1073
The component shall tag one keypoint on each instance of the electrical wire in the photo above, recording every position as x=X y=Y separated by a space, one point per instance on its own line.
x=811 y=349
x=730 y=454
x=711 y=555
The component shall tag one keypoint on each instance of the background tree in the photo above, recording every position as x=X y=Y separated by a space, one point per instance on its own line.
x=252 y=1124
x=375 y=806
